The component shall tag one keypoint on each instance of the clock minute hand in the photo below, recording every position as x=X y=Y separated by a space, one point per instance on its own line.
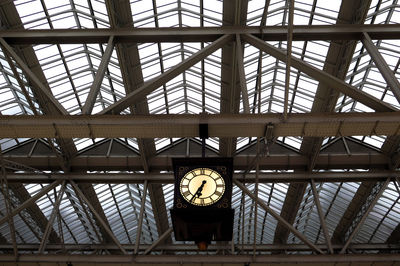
x=198 y=191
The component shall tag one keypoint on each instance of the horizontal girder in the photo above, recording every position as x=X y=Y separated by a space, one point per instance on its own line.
x=241 y=162
x=198 y=34
x=196 y=259
x=193 y=248
x=220 y=125
x=165 y=178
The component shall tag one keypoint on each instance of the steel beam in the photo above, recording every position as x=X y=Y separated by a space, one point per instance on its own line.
x=196 y=259
x=171 y=73
x=12 y=20
x=162 y=238
x=7 y=202
x=288 y=57
x=95 y=88
x=365 y=215
x=103 y=223
x=120 y=16
x=31 y=201
x=241 y=162
x=381 y=64
x=278 y=217
x=140 y=222
x=43 y=90
x=242 y=75
x=157 y=198
x=232 y=14
x=198 y=34
x=51 y=219
x=157 y=178
x=193 y=248
x=220 y=125
x=337 y=61
x=321 y=75
x=321 y=217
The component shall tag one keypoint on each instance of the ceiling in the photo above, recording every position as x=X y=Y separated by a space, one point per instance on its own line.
x=96 y=97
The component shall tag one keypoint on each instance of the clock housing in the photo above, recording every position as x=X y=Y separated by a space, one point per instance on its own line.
x=202 y=182
x=202 y=199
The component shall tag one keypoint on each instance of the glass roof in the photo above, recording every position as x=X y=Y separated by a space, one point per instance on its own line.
x=70 y=69
x=334 y=199
x=383 y=217
x=243 y=229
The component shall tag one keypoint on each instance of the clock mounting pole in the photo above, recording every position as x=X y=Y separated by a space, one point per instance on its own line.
x=203 y=133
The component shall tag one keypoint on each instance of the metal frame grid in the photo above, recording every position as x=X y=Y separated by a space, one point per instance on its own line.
x=238 y=76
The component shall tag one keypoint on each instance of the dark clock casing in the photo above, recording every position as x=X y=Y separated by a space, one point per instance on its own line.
x=203 y=223
x=221 y=165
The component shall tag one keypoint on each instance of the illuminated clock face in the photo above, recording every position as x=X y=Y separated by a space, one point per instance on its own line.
x=202 y=186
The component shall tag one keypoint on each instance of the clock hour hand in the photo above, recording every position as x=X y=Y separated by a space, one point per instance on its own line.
x=198 y=191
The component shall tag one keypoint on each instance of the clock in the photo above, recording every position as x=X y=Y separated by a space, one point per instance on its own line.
x=203 y=183
x=202 y=199
x=202 y=186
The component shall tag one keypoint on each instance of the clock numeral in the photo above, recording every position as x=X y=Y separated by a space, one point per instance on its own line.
x=189 y=176
x=202 y=201
x=218 y=193
x=185 y=186
x=186 y=193
x=202 y=171
x=220 y=185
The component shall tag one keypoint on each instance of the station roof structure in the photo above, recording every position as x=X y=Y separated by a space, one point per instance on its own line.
x=96 y=97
